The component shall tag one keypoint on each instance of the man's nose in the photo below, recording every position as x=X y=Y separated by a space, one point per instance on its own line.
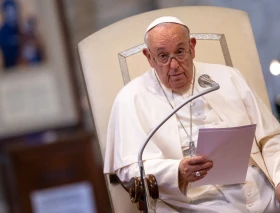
x=174 y=63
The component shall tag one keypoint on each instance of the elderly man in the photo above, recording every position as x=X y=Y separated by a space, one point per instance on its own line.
x=145 y=101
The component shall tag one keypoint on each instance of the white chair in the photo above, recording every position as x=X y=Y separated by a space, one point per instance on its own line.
x=111 y=57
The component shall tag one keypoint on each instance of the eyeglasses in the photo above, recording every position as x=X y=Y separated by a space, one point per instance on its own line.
x=165 y=59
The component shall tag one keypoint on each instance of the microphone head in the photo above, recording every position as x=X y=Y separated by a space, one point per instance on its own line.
x=206 y=81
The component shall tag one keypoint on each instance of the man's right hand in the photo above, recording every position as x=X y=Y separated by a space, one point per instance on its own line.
x=189 y=166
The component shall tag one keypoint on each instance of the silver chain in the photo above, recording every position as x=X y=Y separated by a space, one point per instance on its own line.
x=191 y=143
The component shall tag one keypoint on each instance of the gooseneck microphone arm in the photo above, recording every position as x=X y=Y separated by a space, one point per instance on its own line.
x=204 y=81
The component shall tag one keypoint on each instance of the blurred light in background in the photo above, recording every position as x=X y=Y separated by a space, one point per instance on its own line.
x=275 y=67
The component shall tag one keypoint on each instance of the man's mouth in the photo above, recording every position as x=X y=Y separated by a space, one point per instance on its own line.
x=177 y=74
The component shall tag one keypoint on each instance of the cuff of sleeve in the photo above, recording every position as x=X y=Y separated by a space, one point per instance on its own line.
x=167 y=177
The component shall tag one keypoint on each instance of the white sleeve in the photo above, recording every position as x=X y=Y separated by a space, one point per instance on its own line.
x=165 y=172
x=268 y=129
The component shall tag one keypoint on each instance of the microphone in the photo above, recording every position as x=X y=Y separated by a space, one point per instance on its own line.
x=204 y=81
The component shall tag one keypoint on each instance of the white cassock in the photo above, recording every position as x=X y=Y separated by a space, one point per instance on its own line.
x=141 y=105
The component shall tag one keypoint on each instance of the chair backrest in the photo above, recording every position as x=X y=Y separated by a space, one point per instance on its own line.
x=112 y=57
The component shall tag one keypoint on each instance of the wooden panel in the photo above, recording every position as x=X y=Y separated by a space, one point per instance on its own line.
x=70 y=160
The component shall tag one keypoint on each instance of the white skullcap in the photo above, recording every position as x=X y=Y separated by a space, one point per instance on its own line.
x=164 y=19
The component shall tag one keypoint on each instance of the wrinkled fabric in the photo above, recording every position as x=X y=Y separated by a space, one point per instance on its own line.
x=141 y=105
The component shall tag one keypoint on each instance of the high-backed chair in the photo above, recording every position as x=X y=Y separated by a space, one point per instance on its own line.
x=111 y=57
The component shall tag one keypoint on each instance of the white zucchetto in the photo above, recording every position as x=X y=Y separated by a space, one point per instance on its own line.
x=164 y=19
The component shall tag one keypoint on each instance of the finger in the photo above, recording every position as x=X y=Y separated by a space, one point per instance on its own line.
x=202 y=174
x=193 y=177
x=197 y=160
x=208 y=165
x=200 y=177
x=186 y=169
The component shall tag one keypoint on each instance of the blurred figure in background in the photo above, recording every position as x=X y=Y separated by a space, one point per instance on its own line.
x=10 y=33
x=32 y=51
x=19 y=39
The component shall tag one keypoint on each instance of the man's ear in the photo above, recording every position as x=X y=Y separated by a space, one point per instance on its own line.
x=146 y=52
x=192 y=47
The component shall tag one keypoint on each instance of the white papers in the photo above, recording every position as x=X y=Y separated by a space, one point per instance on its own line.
x=229 y=149
x=71 y=198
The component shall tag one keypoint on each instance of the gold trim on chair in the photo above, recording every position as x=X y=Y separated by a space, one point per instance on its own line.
x=199 y=36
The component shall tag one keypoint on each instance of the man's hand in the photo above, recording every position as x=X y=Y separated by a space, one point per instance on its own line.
x=189 y=166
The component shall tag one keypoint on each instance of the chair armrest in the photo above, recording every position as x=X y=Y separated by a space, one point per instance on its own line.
x=135 y=189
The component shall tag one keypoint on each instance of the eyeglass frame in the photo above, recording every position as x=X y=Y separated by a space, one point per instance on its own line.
x=169 y=58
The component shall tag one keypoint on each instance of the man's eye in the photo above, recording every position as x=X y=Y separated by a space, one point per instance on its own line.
x=181 y=52
x=162 y=56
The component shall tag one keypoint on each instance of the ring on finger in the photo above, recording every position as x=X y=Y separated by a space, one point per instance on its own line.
x=197 y=174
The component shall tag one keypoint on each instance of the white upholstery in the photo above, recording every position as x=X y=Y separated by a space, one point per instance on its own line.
x=100 y=53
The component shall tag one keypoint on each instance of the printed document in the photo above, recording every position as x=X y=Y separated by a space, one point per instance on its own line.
x=229 y=149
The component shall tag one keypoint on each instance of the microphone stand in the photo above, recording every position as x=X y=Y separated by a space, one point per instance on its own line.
x=147 y=197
